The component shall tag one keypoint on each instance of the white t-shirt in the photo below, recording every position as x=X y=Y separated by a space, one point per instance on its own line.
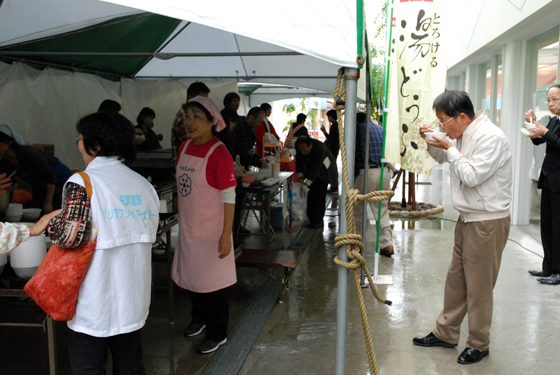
x=115 y=294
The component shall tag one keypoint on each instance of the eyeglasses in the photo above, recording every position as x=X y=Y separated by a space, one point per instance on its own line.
x=77 y=140
x=553 y=99
x=445 y=122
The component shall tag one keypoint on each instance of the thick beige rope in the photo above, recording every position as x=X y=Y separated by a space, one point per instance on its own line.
x=353 y=241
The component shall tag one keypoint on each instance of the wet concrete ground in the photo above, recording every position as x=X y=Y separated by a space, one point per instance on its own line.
x=299 y=335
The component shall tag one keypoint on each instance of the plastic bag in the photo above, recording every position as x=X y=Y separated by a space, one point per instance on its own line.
x=299 y=204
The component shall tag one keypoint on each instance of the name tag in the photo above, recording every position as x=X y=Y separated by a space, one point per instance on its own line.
x=327 y=162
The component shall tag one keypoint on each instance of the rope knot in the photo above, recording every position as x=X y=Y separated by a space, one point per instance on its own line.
x=353 y=197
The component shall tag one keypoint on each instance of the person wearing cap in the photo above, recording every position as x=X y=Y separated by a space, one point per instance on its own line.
x=179 y=131
x=204 y=262
x=45 y=173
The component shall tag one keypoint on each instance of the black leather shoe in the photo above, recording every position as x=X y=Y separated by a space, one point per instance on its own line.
x=553 y=279
x=470 y=356
x=539 y=273
x=388 y=251
x=431 y=340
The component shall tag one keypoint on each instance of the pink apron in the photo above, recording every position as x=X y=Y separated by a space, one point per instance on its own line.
x=196 y=266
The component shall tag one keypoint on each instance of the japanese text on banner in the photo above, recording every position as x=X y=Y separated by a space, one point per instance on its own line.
x=418 y=70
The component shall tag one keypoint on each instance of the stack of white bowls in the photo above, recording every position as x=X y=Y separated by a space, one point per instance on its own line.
x=3 y=261
x=14 y=212
x=26 y=258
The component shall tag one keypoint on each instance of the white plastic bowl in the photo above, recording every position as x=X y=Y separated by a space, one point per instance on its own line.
x=26 y=272
x=429 y=136
x=14 y=209
x=12 y=218
x=529 y=125
x=29 y=254
x=31 y=213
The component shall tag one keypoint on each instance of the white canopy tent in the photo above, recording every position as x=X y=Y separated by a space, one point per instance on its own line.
x=296 y=43
x=295 y=49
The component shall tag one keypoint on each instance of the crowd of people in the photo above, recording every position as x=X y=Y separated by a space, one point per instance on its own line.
x=115 y=294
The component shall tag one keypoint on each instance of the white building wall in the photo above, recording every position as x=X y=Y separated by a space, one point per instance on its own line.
x=479 y=25
x=480 y=32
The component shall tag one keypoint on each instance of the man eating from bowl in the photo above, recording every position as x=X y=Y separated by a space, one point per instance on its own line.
x=481 y=178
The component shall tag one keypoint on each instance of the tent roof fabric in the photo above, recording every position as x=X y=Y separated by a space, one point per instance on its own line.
x=301 y=43
x=135 y=33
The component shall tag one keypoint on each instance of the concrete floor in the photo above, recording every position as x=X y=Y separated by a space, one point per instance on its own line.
x=299 y=335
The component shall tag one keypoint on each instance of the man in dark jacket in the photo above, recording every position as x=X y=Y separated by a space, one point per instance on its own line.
x=316 y=169
x=245 y=138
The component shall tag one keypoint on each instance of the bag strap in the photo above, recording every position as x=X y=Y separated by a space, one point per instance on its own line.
x=87 y=182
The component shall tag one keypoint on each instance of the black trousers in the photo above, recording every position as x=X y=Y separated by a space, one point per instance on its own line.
x=316 y=200
x=88 y=354
x=550 y=228
x=212 y=309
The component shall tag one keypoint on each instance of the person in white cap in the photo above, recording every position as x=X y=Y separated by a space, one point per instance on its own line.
x=45 y=173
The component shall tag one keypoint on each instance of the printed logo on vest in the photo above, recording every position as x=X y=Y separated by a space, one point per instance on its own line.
x=185 y=185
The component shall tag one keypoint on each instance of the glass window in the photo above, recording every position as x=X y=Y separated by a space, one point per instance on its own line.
x=546 y=76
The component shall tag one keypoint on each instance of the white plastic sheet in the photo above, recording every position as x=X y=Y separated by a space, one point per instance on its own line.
x=45 y=105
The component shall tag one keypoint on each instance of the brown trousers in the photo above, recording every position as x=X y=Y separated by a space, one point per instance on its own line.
x=471 y=279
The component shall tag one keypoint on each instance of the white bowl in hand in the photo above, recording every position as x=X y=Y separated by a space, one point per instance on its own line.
x=429 y=136
x=529 y=125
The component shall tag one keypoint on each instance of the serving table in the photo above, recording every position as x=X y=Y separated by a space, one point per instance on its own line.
x=258 y=197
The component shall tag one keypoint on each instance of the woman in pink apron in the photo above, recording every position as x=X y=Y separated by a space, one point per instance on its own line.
x=204 y=262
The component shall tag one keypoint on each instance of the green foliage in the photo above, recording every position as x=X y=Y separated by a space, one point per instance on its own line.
x=292 y=110
x=377 y=72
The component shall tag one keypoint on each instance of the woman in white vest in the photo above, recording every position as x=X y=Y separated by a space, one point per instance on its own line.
x=114 y=296
x=204 y=262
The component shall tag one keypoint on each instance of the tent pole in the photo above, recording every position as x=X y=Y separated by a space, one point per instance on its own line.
x=366 y=169
x=352 y=76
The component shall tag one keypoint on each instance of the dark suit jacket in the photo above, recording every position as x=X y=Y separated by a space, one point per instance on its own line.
x=312 y=165
x=551 y=163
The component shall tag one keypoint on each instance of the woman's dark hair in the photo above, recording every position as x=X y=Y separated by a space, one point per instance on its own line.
x=453 y=103
x=110 y=106
x=197 y=88
x=300 y=119
x=109 y=134
x=199 y=106
x=145 y=112
x=230 y=116
x=230 y=96
x=303 y=139
x=266 y=107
